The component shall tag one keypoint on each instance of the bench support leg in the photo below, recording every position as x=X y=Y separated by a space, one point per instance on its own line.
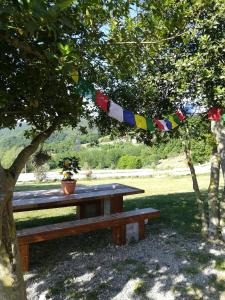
x=127 y=233
x=118 y=234
x=141 y=225
x=24 y=254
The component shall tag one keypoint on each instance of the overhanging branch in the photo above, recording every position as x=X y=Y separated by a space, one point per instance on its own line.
x=24 y=155
x=23 y=46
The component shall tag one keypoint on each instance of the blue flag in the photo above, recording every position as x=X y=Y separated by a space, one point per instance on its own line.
x=128 y=117
x=168 y=124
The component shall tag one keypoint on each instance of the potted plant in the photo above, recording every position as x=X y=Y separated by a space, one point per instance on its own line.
x=70 y=166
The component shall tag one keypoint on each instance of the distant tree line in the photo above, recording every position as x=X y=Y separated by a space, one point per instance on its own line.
x=97 y=152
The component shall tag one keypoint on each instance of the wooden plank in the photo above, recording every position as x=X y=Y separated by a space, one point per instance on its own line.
x=42 y=233
x=58 y=192
x=116 y=204
x=73 y=199
x=119 y=235
x=141 y=230
x=24 y=254
x=90 y=209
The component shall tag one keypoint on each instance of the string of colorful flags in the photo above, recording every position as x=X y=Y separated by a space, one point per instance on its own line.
x=120 y=114
x=216 y=114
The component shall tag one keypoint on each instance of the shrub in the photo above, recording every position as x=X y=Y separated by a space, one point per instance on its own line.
x=40 y=173
x=129 y=162
x=201 y=151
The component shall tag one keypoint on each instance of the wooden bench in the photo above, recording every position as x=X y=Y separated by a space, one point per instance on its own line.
x=118 y=222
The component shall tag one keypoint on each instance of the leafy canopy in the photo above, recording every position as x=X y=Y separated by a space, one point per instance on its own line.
x=177 y=55
x=41 y=42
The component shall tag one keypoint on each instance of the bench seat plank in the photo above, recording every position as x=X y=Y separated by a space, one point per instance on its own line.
x=52 y=231
x=117 y=221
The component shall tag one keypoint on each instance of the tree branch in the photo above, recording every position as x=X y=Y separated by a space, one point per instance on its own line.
x=24 y=155
x=23 y=46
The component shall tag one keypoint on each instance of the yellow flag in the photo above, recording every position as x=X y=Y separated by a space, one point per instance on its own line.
x=75 y=75
x=171 y=119
x=140 y=122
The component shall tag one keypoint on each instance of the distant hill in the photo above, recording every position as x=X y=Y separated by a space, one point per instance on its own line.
x=12 y=141
x=96 y=152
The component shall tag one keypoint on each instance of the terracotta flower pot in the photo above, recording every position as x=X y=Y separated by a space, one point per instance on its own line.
x=68 y=186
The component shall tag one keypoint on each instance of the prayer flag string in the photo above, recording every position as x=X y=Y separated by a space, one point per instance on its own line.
x=120 y=114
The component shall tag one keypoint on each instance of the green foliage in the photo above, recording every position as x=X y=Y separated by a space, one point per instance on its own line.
x=69 y=165
x=201 y=151
x=98 y=155
x=40 y=158
x=129 y=162
x=40 y=172
x=10 y=155
x=42 y=42
x=177 y=56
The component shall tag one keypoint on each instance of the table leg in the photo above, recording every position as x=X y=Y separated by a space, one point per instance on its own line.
x=107 y=206
x=89 y=209
x=116 y=204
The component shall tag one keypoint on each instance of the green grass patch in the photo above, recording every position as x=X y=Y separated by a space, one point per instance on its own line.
x=178 y=211
x=179 y=253
x=140 y=287
x=220 y=264
x=190 y=292
x=120 y=265
x=193 y=270
x=103 y=286
x=139 y=271
x=200 y=256
x=217 y=283
x=92 y=295
x=57 y=289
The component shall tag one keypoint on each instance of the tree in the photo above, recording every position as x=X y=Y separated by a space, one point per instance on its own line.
x=42 y=43
x=174 y=53
x=199 y=76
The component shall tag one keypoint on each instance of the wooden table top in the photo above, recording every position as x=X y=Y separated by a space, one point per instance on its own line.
x=43 y=199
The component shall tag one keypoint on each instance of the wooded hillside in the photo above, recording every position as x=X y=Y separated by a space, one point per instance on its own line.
x=96 y=151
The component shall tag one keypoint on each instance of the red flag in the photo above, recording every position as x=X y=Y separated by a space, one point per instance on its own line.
x=215 y=114
x=102 y=100
x=180 y=115
x=158 y=124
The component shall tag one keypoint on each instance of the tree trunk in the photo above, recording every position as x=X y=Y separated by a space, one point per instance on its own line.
x=213 y=195
x=11 y=279
x=218 y=129
x=12 y=285
x=200 y=200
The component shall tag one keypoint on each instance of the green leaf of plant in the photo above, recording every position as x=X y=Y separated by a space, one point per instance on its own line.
x=63 y=4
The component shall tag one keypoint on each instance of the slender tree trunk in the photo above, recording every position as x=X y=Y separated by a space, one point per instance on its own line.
x=198 y=194
x=222 y=202
x=213 y=195
x=11 y=279
x=218 y=130
x=222 y=212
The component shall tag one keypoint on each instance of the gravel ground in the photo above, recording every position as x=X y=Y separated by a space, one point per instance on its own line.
x=164 y=266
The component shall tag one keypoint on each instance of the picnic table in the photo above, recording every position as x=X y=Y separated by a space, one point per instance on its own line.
x=90 y=201
x=99 y=206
